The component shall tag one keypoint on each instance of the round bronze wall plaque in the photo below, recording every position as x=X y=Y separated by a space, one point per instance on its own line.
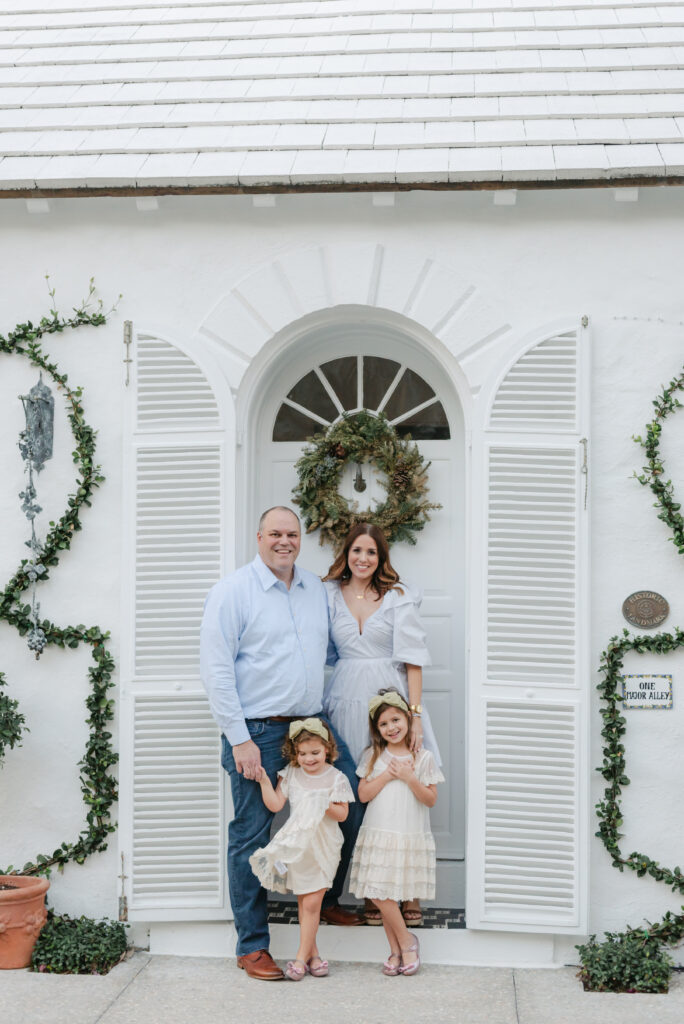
x=645 y=609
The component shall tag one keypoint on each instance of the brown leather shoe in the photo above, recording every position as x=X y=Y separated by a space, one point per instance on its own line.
x=261 y=965
x=338 y=915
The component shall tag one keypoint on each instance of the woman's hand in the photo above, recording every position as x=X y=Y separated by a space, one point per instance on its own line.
x=416 y=737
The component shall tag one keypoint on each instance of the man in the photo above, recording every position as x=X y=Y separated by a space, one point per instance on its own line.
x=263 y=647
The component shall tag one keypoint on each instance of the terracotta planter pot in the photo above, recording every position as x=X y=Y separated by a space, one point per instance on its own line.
x=22 y=915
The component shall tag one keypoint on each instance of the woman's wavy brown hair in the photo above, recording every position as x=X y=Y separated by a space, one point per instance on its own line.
x=385 y=576
x=290 y=747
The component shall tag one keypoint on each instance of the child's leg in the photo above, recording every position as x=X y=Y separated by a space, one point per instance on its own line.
x=309 y=905
x=395 y=927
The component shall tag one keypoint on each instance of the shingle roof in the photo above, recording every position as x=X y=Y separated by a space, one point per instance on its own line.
x=313 y=92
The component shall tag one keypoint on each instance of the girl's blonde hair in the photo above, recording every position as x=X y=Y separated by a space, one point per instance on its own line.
x=291 y=746
x=378 y=744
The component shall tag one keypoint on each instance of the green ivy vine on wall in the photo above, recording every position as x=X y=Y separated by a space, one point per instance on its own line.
x=671 y=928
x=97 y=785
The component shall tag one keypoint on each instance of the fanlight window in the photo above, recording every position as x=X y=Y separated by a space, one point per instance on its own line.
x=352 y=383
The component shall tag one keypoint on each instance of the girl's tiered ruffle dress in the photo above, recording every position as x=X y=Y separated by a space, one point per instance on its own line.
x=303 y=855
x=393 y=636
x=394 y=856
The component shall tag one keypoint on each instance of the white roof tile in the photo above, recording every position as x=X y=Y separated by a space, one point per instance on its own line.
x=421 y=161
x=581 y=161
x=635 y=159
x=302 y=91
x=267 y=168
x=323 y=166
x=20 y=171
x=673 y=155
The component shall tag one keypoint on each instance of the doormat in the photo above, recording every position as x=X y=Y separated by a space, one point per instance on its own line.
x=285 y=912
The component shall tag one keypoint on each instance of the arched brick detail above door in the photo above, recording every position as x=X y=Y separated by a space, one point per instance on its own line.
x=405 y=282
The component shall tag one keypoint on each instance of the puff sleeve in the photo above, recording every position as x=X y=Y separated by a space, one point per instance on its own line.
x=341 y=792
x=426 y=769
x=285 y=775
x=362 y=766
x=409 y=636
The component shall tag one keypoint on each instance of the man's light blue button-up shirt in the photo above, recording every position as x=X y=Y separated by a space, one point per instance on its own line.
x=263 y=647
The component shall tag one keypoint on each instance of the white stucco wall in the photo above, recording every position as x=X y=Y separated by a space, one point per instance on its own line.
x=552 y=255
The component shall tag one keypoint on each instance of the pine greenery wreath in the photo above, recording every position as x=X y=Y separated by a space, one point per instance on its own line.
x=97 y=785
x=362 y=437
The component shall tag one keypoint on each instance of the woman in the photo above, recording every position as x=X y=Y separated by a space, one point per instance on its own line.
x=377 y=641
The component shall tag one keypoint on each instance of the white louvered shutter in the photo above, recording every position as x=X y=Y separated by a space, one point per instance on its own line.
x=171 y=778
x=528 y=813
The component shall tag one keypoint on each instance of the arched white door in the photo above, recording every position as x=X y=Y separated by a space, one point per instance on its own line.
x=352 y=366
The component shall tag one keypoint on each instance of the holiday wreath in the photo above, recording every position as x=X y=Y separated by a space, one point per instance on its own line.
x=362 y=437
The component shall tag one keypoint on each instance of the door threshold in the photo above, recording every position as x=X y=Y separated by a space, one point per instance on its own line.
x=285 y=912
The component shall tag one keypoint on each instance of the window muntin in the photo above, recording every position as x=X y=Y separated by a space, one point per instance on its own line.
x=351 y=383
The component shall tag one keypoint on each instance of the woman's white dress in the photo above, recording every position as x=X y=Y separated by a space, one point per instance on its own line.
x=393 y=636
x=303 y=855
x=394 y=856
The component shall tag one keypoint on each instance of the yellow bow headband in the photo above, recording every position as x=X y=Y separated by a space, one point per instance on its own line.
x=311 y=725
x=395 y=699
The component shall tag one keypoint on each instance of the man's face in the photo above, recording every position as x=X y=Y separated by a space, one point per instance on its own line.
x=279 y=541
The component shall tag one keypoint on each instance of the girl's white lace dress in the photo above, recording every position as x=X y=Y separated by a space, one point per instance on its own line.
x=394 y=856
x=303 y=855
x=393 y=636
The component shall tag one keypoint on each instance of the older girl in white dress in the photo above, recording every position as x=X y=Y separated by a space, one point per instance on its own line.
x=303 y=855
x=394 y=856
x=377 y=641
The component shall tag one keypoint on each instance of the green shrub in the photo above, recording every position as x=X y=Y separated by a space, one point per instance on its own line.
x=78 y=945
x=631 y=961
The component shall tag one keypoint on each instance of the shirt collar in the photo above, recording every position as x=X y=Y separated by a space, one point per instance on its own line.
x=269 y=579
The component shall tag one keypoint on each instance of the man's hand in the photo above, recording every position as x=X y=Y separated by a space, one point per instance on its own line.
x=247 y=757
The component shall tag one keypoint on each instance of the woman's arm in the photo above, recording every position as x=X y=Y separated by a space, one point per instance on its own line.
x=273 y=798
x=369 y=788
x=415 y=692
x=338 y=811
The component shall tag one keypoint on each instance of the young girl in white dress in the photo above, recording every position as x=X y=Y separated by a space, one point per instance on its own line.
x=394 y=856
x=303 y=855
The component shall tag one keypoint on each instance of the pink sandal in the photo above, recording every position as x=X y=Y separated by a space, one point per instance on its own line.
x=320 y=970
x=410 y=969
x=390 y=969
x=295 y=973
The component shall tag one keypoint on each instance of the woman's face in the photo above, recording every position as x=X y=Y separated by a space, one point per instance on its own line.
x=362 y=558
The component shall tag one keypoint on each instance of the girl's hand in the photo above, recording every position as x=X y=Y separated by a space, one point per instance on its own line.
x=416 y=738
x=399 y=769
x=262 y=778
x=403 y=770
x=337 y=811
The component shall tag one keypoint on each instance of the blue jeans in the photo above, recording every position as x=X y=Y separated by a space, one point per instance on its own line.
x=251 y=826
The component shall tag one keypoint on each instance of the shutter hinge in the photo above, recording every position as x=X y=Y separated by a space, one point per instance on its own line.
x=585 y=321
x=128 y=339
x=584 y=468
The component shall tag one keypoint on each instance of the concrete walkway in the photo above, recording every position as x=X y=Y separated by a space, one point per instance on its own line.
x=185 y=990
